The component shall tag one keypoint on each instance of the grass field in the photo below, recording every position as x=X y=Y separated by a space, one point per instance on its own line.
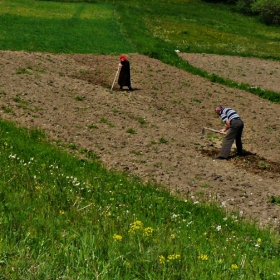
x=58 y=27
x=63 y=217
x=155 y=28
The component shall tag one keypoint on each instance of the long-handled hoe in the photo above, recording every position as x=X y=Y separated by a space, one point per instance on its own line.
x=211 y=129
x=115 y=77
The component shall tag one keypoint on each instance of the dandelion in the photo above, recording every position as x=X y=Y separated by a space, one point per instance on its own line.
x=161 y=259
x=234 y=267
x=148 y=231
x=117 y=237
x=203 y=257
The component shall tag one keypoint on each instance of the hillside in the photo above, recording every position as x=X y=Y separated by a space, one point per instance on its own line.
x=69 y=97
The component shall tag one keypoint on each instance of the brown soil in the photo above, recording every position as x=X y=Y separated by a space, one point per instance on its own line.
x=155 y=131
x=252 y=71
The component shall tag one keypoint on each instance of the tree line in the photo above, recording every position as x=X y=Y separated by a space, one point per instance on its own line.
x=268 y=11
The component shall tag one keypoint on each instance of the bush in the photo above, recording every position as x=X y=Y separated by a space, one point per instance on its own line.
x=269 y=10
x=245 y=6
x=222 y=1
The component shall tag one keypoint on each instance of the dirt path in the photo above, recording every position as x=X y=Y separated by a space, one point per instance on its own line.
x=154 y=131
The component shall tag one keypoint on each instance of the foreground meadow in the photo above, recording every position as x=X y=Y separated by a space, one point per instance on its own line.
x=63 y=217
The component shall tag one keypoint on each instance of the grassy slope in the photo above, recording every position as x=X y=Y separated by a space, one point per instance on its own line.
x=61 y=27
x=63 y=217
x=196 y=26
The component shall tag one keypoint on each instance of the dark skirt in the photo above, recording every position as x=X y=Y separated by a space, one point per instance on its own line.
x=124 y=77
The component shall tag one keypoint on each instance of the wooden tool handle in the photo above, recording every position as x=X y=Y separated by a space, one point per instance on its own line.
x=214 y=130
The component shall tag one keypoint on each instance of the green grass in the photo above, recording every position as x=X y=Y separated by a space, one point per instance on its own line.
x=63 y=217
x=196 y=26
x=155 y=27
x=67 y=218
x=59 y=27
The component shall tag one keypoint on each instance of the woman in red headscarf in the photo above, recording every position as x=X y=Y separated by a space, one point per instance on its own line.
x=124 y=77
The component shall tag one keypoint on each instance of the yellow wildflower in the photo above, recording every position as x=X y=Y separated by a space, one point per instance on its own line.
x=173 y=257
x=61 y=212
x=148 y=231
x=117 y=237
x=234 y=266
x=173 y=236
x=203 y=257
x=137 y=225
x=161 y=259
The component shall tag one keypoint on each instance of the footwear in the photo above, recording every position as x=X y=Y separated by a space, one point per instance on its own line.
x=219 y=158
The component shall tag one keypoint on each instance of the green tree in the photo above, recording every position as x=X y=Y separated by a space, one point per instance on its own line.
x=269 y=10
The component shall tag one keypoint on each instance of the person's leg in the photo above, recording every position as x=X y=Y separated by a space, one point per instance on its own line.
x=227 y=142
x=238 y=140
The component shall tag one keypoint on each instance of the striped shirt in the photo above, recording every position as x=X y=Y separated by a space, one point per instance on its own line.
x=228 y=114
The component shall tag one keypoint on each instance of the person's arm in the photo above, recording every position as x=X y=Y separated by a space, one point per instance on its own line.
x=227 y=126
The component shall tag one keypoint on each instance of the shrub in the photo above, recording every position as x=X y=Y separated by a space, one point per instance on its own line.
x=245 y=6
x=269 y=10
x=222 y=1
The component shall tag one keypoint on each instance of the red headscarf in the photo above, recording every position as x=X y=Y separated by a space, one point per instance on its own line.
x=123 y=57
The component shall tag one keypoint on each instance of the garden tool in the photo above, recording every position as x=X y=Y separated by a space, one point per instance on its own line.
x=211 y=129
x=115 y=77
